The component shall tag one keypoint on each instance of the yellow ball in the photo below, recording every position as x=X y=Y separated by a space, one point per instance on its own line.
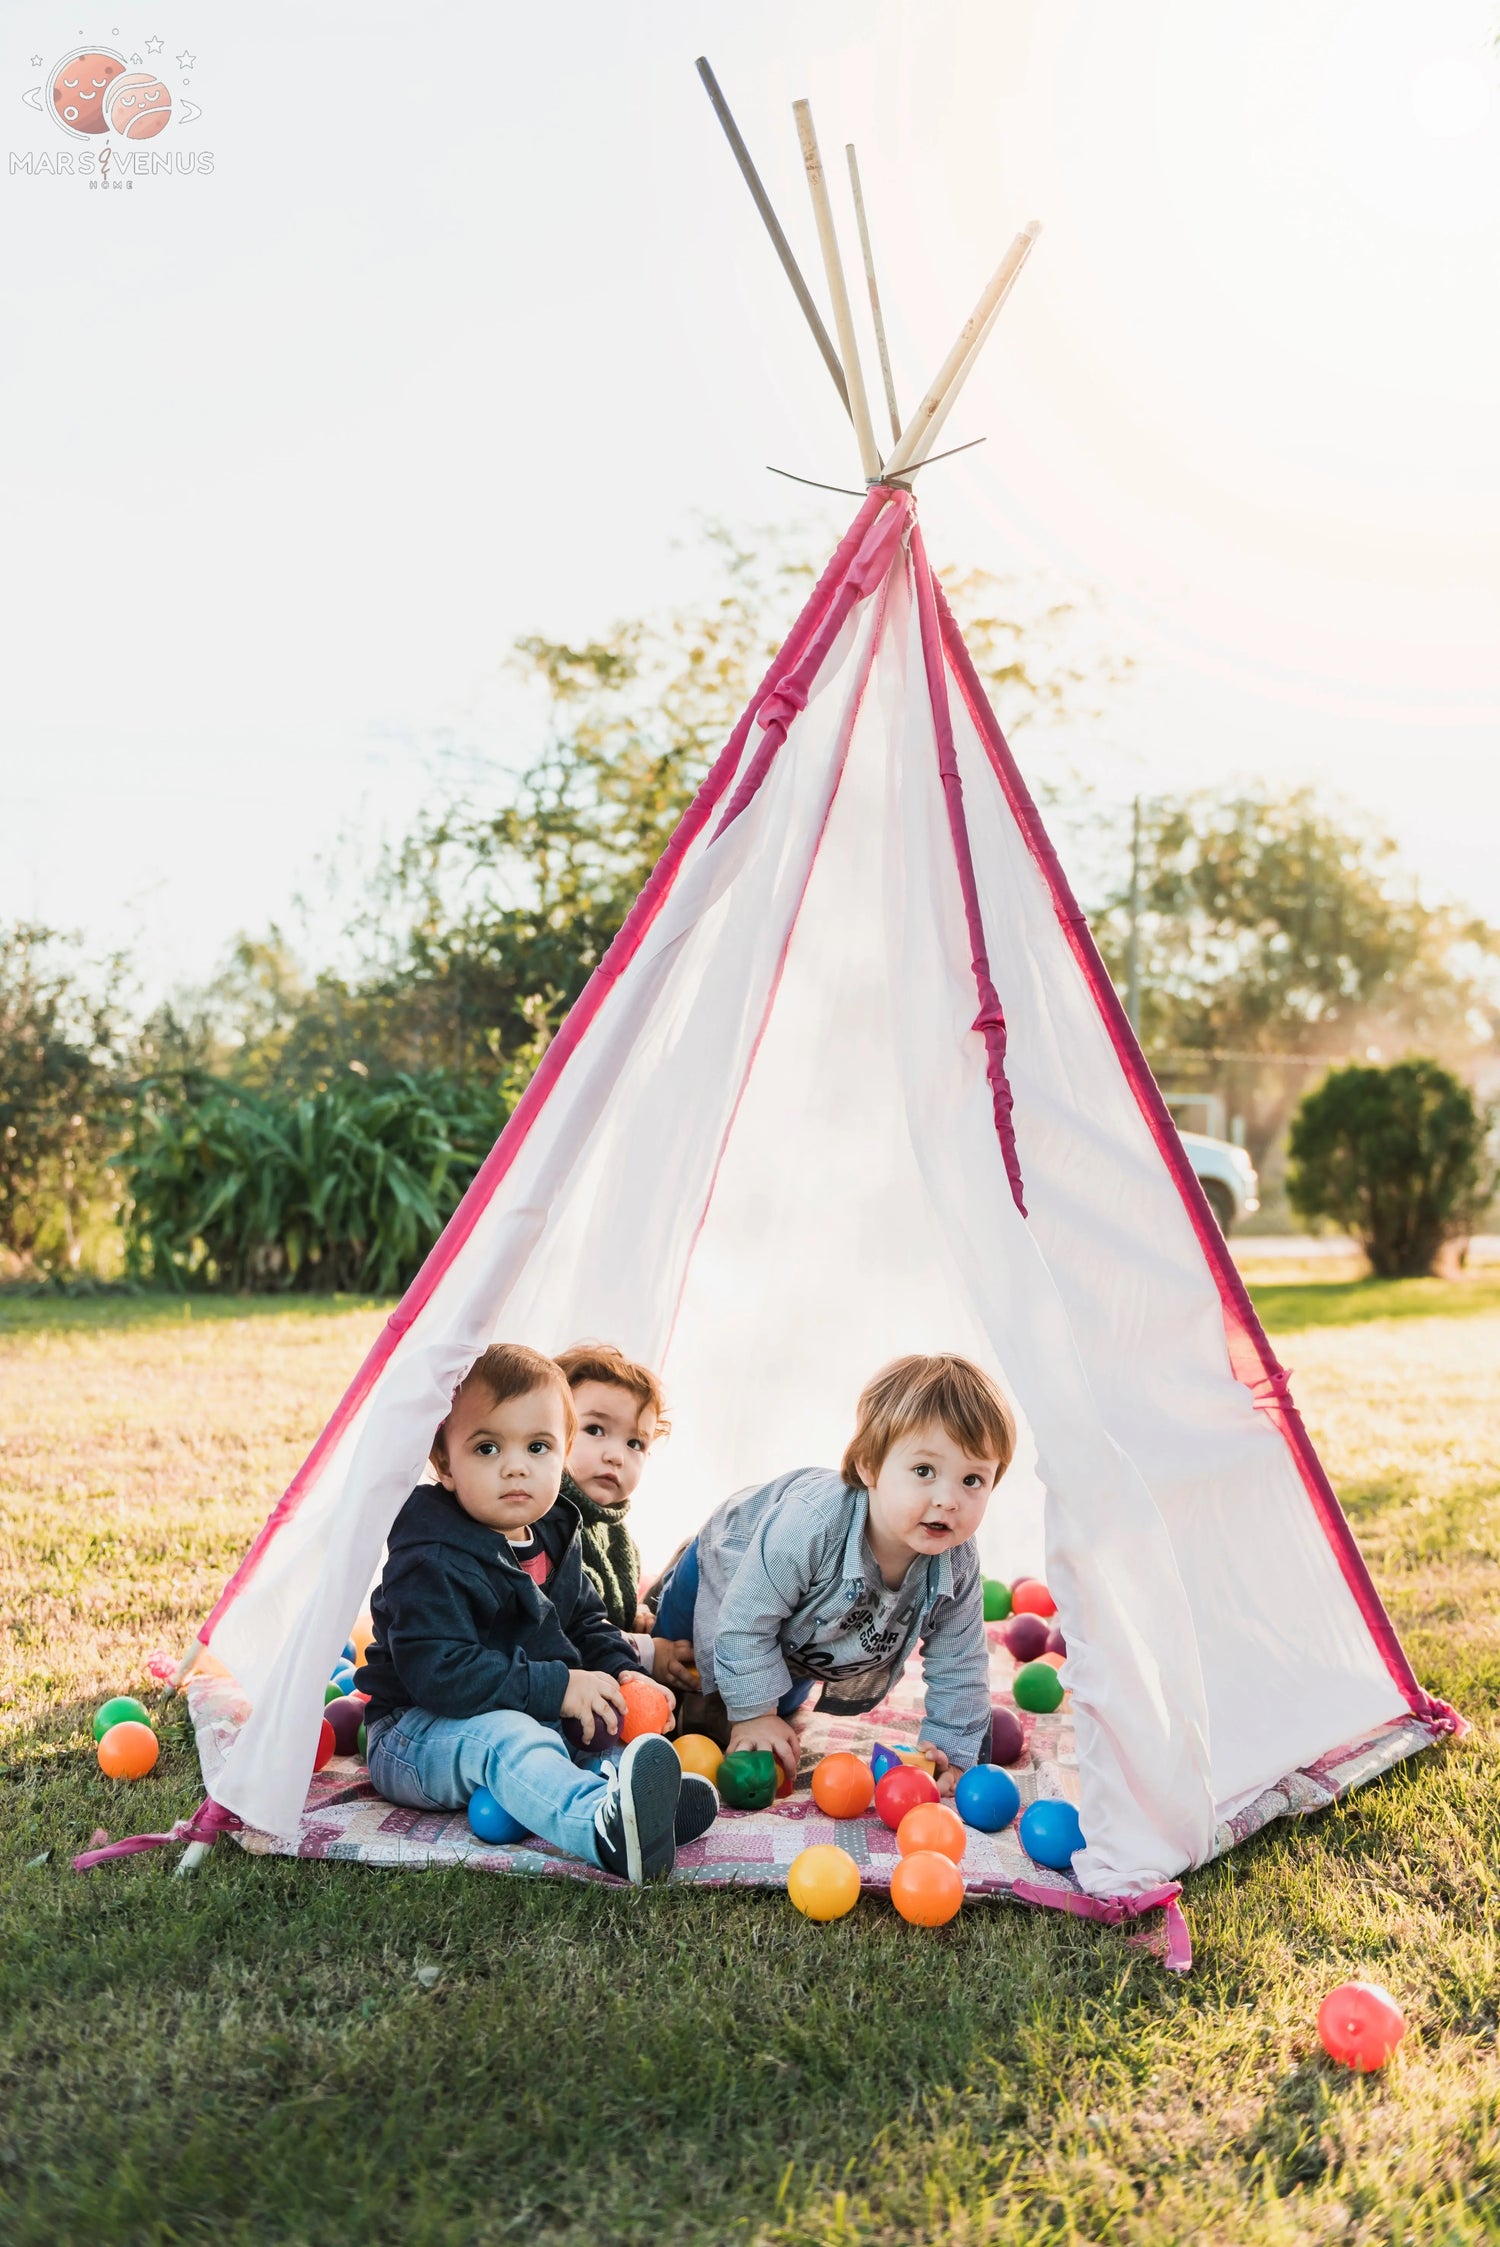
x=696 y=1752
x=823 y=1882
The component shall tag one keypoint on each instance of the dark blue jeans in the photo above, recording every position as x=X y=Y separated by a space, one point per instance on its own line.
x=674 y=1619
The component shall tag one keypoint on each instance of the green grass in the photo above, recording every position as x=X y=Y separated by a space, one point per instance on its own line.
x=265 y=2054
x=1294 y=1307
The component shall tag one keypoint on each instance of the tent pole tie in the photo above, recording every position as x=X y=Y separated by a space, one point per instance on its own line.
x=200 y=1832
x=1113 y=1911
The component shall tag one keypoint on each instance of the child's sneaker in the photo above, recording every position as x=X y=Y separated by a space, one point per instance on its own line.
x=697 y=1808
x=634 y=1827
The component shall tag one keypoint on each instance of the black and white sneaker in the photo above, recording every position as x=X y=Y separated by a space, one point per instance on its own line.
x=697 y=1808
x=634 y=1826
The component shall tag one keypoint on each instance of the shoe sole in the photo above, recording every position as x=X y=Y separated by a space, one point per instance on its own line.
x=698 y=1805
x=650 y=1780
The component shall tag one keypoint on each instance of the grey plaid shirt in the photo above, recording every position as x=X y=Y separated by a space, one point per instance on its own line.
x=788 y=1588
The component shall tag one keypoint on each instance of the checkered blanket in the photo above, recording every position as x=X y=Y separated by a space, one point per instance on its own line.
x=345 y=1819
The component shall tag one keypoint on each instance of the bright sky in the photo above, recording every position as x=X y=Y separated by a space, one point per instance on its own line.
x=472 y=315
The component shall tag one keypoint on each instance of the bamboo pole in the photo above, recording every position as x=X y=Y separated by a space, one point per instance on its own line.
x=781 y=245
x=875 y=312
x=843 y=318
x=186 y=1666
x=921 y=431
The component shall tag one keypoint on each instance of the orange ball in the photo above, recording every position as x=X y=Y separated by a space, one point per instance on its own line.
x=128 y=1751
x=647 y=1708
x=359 y=1639
x=696 y=1752
x=932 y=1825
x=843 y=1786
x=927 y=1888
x=1031 y=1597
x=1053 y=1661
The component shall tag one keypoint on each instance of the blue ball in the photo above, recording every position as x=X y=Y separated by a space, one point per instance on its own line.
x=342 y=1674
x=1050 y=1833
x=488 y=1822
x=349 y=1654
x=987 y=1797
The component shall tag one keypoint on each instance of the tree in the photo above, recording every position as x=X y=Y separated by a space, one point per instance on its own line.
x=1396 y=1156
x=60 y=1096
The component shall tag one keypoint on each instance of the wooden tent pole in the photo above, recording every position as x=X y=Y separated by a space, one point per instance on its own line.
x=843 y=318
x=923 y=427
x=782 y=246
x=875 y=311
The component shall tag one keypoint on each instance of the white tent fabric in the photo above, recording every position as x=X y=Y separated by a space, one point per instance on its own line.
x=848 y=1085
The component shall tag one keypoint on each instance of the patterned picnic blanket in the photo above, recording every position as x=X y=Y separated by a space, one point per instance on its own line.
x=345 y=1819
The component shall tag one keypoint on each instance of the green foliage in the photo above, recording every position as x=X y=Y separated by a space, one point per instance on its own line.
x=1397 y=1156
x=345 y=1188
x=60 y=1098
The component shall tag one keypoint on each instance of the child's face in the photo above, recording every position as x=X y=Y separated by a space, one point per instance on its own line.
x=505 y=1461
x=615 y=1432
x=930 y=1495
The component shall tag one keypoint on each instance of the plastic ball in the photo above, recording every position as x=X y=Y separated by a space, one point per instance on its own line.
x=696 y=1752
x=927 y=1888
x=784 y=1781
x=1360 y=2025
x=1050 y=1833
x=342 y=1675
x=823 y=1882
x=932 y=1825
x=996 y=1600
x=349 y=1655
x=347 y=1718
x=362 y=1745
x=1053 y=1660
x=987 y=1797
x=843 y=1786
x=128 y=1750
x=123 y=1709
x=1031 y=1597
x=332 y=1691
x=327 y=1745
x=900 y=1791
x=597 y=1736
x=1056 y=1643
x=748 y=1779
x=489 y=1822
x=882 y=1760
x=1007 y=1736
x=1025 y=1637
x=1037 y=1688
x=357 y=1647
x=647 y=1708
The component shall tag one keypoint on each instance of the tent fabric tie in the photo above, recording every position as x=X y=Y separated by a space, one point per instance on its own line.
x=1113 y=1911
x=207 y=1822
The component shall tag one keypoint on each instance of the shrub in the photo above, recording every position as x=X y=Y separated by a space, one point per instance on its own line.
x=1396 y=1156
x=347 y=1187
x=60 y=1096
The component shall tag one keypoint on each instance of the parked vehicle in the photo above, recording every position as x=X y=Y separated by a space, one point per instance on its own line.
x=1227 y=1176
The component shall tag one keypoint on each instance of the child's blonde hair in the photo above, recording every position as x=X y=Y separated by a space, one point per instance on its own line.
x=601 y=1361
x=506 y=1370
x=916 y=1392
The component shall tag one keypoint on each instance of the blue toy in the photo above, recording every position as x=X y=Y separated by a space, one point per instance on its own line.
x=1050 y=1833
x=342 y=1675
x=350 y=1654
x=488 y=1822
x=882 y=1760
x=987 y=1797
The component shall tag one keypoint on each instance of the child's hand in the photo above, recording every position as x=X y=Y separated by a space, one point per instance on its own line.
x=593 y=1698
x=644 y=1619
x=672 y=1663
x=771 y=1732
x=942 y=1770
x=671 y=1696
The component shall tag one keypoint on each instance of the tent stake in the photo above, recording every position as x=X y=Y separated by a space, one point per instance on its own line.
x=779 y=241
x=956 y=368
x=843 y=318
x=186 y=1666
x=875 y=312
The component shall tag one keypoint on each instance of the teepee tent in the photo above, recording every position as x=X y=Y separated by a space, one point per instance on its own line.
x=853 y=1081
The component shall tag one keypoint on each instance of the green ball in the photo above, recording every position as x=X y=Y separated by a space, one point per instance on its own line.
x=361 y=1747
x=123 y=1709
x=996 y=1600
x=746 y=1780
x=332 y=1692
x=1037 y=1687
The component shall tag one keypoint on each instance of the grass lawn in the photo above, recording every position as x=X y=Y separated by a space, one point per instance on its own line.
x=264 y=2053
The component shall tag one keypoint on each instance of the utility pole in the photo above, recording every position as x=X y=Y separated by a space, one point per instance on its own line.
x=1133 y=947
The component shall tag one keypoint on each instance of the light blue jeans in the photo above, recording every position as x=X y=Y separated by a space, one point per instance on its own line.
x=429 y=1762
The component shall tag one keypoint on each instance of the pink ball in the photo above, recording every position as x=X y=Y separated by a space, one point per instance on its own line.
x=1007 y=1740
x=1026 y=1637
x=1056 y=1643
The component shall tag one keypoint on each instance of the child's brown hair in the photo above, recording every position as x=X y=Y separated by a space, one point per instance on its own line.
x=506 y=1370
x=601 y=1361
x=918 y=1392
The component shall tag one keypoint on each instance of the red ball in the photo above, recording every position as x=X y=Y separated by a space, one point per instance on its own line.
x=1007 y=1737
x=1360 y=2024
x=1026 y=1637
x=1031 y=1597
x=900 y=1791
x=327 y=1744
